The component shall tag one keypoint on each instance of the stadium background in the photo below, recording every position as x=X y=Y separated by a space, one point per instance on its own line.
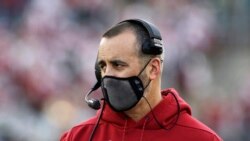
x=48 y=49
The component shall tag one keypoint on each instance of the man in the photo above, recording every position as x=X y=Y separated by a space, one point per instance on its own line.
x=129 y=69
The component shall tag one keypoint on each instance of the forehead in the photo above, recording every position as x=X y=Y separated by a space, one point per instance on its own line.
x=122 y=46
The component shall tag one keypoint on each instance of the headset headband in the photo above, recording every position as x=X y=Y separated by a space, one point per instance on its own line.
x=155 y=45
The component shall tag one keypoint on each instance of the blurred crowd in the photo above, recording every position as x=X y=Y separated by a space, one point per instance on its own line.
x=48 y=50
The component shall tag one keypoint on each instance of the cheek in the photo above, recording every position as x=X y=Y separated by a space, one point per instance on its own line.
x=127 y=72
x=131 y=70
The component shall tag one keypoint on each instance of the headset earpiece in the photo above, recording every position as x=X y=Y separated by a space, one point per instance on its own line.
x=98 y=74
x=149 y=48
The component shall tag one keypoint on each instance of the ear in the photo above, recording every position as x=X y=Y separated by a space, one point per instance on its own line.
x=155 y=68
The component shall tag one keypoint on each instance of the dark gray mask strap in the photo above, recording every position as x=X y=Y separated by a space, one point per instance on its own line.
x=147 y=84
x=144 y=67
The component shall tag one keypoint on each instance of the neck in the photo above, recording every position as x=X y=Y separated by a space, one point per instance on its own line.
x=143 y=108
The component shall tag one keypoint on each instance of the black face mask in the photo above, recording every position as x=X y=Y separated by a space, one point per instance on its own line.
x=123 y=94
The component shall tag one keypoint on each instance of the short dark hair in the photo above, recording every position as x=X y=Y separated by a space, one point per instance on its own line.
x=139 y=31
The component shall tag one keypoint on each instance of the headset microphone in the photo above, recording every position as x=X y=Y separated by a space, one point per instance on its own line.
x=93 y=103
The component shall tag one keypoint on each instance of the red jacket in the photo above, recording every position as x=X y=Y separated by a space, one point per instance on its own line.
x=118 y=127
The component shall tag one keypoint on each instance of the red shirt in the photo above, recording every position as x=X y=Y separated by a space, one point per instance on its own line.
x=118 y=127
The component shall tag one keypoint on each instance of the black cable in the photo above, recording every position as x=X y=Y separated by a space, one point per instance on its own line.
x=156 y=120
x=97 y=123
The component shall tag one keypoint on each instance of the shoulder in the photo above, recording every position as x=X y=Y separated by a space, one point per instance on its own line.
x=193 y=127
x=80 y=131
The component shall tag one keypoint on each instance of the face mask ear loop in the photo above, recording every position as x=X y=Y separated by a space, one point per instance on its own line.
x=147 y=84
x=144 y=67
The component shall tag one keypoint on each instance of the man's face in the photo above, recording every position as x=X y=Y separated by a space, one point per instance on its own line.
x=117 y=55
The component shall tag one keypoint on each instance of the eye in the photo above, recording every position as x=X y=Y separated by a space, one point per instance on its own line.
x=102 y=66
x=117 y=65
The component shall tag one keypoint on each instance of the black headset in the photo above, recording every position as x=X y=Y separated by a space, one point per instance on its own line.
x=154 y=46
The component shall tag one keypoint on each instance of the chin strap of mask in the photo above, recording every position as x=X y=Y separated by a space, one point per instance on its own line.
x=173 y=123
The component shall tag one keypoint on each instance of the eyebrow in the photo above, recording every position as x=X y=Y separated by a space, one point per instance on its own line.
x=118 y=61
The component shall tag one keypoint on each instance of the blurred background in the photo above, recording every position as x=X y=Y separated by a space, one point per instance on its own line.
x=48 y=49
